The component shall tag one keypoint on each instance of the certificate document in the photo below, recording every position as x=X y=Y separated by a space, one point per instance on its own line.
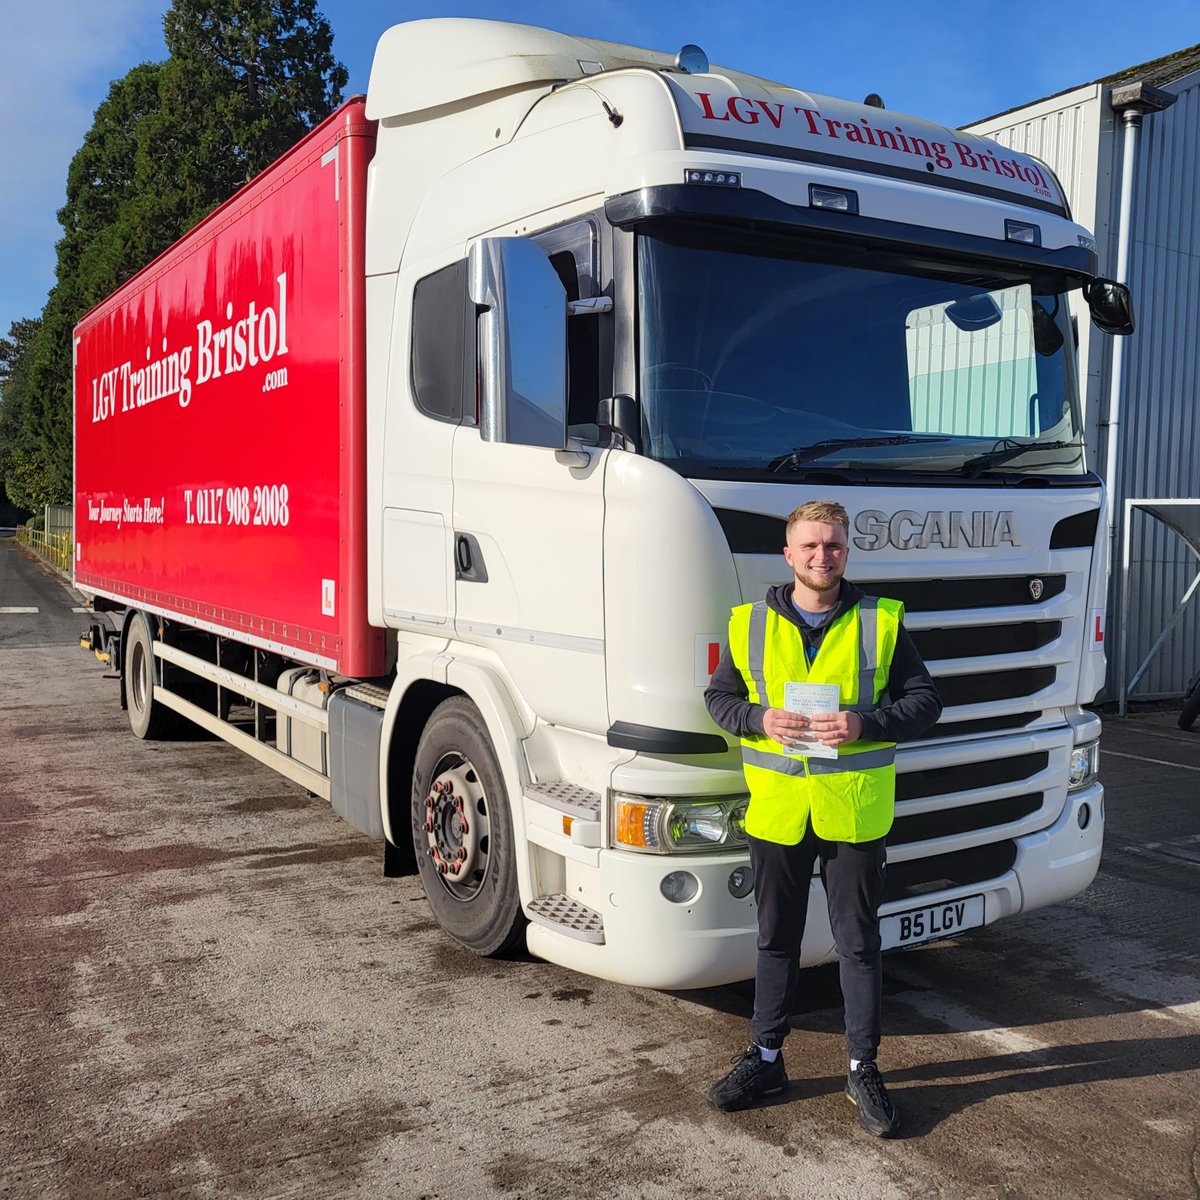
x=810 y=699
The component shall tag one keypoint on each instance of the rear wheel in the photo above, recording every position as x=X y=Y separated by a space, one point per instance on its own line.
x=462 y=832
x=1191 y=705
x=148 y=718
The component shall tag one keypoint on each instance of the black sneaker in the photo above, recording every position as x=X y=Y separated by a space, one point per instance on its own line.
x=876 y=1112
x=752 y=1078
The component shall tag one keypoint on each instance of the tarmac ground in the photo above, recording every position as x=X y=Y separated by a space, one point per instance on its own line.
x=208 y=988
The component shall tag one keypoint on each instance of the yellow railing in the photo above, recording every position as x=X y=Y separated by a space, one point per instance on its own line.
x=55 y=548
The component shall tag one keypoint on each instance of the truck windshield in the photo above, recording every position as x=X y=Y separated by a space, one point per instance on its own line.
x=762 y=355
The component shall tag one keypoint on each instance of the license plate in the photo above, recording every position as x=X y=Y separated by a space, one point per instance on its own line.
x=931 y=922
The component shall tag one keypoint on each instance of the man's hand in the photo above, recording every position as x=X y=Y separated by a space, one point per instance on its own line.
x=833 y=729
x=782 y=726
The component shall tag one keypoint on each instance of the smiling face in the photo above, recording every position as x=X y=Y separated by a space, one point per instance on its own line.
x=817 y=554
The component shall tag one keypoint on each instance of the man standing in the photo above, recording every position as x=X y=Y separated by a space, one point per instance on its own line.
x=819 y=629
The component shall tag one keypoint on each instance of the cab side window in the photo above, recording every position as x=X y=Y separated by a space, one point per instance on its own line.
x=443 y=346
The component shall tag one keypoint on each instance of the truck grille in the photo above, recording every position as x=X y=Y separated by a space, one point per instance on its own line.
x=924 y=826
x=961 y=867
x=1019 y=648
x=954 y=595
x=1000 y=724
x=957 y=690
x=979 y=807
x=985 y=639
x=916 y=785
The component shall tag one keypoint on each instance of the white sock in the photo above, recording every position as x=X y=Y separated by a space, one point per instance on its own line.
x=854 y=1064
x=768 y=1055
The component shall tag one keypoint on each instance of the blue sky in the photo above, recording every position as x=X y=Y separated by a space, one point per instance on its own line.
x=950 y=63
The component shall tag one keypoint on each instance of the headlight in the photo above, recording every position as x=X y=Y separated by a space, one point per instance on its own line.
x=676 y=826
x=1085 y=764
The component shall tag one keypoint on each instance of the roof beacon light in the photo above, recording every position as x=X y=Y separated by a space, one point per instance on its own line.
x=1023 y=231
x=838 y=199
x=691 y=60
x=714 y=178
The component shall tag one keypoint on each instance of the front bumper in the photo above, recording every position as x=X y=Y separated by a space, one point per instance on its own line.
x=710 y=941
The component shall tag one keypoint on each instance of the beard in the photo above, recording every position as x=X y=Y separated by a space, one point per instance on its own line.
x=820 y=583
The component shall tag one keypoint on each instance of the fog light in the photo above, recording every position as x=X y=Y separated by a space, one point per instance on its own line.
x=1084 y=816
x=741 y=882
x=680 y=887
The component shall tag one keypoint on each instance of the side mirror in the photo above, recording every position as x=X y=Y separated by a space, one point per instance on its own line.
x=1111 y=306
x=523 y=359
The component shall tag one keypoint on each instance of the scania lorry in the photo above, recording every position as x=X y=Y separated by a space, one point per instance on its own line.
x=427 y=469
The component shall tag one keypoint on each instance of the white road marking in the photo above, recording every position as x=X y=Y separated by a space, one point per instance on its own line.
x=1160 y=762
x=1177 y=1128
x=81 y=610
x=13 y=609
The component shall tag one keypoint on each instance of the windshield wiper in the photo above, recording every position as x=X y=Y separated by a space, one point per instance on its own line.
x=1000 y=454
x=804 y=454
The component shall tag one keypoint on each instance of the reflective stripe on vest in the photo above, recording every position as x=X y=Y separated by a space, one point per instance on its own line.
x=850 y=798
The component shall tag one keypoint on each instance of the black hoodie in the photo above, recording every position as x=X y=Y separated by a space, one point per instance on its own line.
x=907 y=709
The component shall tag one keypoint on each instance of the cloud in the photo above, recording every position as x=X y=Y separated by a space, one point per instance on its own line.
x=60 y=58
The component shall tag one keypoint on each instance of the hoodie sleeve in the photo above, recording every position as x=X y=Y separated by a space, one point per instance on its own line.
x=912 y=704
x=726 y=700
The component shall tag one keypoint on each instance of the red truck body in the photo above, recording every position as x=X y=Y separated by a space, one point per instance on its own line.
x=220 y=416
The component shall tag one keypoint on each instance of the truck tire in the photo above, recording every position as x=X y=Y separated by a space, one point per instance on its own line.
x=149 y=720
x=1191 y=705
x=463 y=832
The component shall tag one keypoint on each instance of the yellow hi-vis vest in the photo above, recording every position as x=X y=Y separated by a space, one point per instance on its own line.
x=851 y=798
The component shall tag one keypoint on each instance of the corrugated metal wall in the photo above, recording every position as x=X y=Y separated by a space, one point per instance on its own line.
x=1160 y=442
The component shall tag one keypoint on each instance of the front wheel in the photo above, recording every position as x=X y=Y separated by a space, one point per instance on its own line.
x=463 y=832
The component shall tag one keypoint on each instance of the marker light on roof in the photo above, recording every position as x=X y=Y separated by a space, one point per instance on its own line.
x=838 y=199
x=1022 y=231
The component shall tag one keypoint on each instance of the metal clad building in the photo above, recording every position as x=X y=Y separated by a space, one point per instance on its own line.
x=1080 y=135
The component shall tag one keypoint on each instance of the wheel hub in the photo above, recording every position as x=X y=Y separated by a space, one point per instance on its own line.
x=456 y=827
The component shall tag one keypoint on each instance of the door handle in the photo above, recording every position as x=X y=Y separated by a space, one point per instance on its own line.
x=468 y=559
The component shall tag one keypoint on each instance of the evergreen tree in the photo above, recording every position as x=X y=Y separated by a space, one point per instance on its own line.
x=245 y=79
x=21 y=466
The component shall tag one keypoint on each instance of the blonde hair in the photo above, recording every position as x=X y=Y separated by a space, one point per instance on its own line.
x=828 y=512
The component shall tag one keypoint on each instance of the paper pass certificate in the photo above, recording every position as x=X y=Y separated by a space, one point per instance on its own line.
x=810 y=699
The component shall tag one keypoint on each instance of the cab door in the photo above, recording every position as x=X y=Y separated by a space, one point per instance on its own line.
x=528 y=511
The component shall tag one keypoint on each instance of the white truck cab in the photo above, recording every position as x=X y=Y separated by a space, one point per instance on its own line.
x=773 y=297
